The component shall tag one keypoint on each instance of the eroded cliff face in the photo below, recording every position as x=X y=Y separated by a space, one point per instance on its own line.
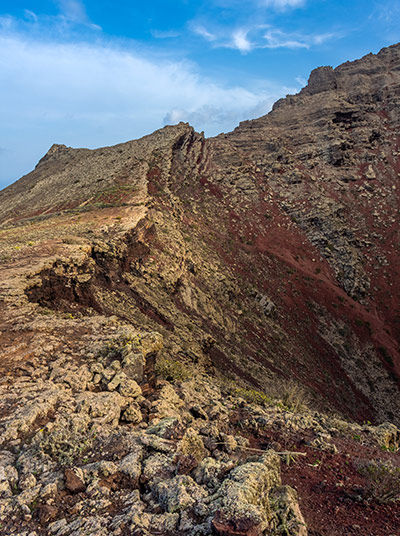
x=174 y=310
x=269 y=254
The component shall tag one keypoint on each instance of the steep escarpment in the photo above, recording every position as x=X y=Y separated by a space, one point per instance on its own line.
x=276 y=237
x=173 y=304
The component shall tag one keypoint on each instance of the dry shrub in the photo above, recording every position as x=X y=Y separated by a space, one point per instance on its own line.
x=382 y=480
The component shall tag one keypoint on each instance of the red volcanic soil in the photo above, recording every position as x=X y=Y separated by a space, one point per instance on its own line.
x=331 y=493
x=334 y=497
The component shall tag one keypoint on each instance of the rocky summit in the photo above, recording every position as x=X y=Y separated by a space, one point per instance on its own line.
x=201 y=336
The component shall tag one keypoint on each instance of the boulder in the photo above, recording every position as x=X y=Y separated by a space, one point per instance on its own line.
x=178 y=494
x=244 y=497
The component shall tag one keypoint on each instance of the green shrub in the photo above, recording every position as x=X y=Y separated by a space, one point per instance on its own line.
x=171 y=370
x=253 y=396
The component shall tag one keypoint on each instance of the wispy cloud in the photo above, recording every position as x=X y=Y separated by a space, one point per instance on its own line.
x=277 y=39
x=387 y=15
x=75 y=11
x=164 y=34
x=200 y=30
x=271 y=4
x=282 y=4
x=301 y=81
x=85 y=94
x=261 y=36
x=30 y=15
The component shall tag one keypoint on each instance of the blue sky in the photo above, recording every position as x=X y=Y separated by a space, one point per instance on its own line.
x=89 y=73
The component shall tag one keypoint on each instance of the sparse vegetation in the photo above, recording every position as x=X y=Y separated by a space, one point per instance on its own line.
x=382 y=478
x=113 y=349
x=253 y=396
x=293 y=396
x=68 y=441
x=172 y=370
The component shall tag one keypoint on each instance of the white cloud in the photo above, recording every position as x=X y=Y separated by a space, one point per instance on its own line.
x=262 y=36
x=240 y=41
x=200 y=30
x=96 y=94
x=278 y=39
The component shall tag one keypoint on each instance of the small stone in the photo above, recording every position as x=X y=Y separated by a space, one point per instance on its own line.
x=116 y=381
x=129 y=388
x=47 y=513
x=108 y=373
x=167 y=428
x=27 y=482
x=132 y=414
x=96 y=368
x=73 y=482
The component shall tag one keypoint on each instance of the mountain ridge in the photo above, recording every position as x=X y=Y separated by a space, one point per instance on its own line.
x=201 y=309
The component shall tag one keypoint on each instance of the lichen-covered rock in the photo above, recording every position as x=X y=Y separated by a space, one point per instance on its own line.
x=288 y=519
x=133 y=363
x=163 y=523
x=192 y=445
x=178 y=494
x=22 y=420
x=210 y=472
x=103 y=407
x=90 y=526
x=132 y=414
x=167 y=428
x=8 y=473
x=157 y=467
x=244 y=497
x=129 y=388
x=131 y=464
x=387 y=435
x=96 y=470
x=168 y=403
x=77 y=379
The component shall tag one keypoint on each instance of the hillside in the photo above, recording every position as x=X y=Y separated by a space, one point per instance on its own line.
x=175 y=307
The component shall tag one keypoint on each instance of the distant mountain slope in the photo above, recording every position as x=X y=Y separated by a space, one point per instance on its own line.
x=269 y=254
